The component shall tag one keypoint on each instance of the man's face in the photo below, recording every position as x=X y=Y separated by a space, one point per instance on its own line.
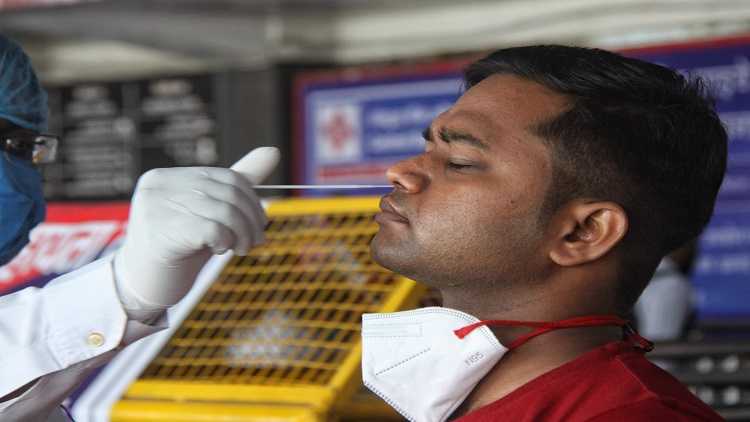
x=466 y=211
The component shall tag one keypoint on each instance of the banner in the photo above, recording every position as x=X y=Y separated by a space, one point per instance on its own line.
x=72 y=235
x=722 y=272
x=115 y=131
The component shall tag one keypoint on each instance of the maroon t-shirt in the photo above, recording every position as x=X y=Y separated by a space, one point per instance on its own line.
x=611 y=383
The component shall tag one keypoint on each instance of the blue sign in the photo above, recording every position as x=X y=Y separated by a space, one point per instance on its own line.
x=354 y=131
x=722 y=271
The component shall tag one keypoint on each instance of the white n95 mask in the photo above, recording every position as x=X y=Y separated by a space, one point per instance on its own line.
x=415 y=362
x=425 y=362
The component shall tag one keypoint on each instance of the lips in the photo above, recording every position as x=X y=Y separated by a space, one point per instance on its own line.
x=389 y=212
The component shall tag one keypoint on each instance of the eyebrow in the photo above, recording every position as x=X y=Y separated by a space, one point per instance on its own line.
x=450 y=135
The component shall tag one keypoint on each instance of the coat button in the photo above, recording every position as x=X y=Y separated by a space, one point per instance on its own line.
x=95 y=339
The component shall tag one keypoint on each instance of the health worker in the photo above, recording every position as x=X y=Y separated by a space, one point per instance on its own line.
x=51 y=338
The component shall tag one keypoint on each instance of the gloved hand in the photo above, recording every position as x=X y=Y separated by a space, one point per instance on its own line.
x=179 y=217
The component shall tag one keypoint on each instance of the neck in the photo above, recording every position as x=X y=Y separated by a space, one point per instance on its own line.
x=533 y=359
x=541 y=301
x=545 y=352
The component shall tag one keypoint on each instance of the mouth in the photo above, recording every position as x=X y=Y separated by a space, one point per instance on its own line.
x=389 y=212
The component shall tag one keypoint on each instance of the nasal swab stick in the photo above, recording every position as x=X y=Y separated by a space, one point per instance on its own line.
x=301 y=187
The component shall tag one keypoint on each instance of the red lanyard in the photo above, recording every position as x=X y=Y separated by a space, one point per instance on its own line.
x=545 y=327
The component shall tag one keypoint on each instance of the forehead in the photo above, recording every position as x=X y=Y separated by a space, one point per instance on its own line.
x=506 y=103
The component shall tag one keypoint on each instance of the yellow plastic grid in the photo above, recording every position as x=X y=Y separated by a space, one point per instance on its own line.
x=282 y=325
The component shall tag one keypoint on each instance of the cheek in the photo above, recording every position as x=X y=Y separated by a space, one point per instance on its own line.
x=474 y=234
x=524 y=191
x=478 y=217
x=456 y=218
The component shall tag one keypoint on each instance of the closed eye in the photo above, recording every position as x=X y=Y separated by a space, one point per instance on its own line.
x=459 y=166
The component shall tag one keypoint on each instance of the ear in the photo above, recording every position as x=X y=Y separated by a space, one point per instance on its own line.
x=585 y=231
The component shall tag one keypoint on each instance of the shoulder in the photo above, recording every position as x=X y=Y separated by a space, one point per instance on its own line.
x=657 y=410
x=660 y=393
x=612 y=383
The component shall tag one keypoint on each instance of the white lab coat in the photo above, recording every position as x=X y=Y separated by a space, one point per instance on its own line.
x=59 y=334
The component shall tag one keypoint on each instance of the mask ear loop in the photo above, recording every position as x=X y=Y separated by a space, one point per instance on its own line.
x=545 y=327
x=636 y=339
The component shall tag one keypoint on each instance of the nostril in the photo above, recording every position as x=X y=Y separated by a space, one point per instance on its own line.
x=407 y=175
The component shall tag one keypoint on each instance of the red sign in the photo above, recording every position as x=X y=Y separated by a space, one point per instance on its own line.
x=73 y=235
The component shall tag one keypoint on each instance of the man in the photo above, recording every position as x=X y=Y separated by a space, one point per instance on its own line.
x=545 y=198
x=51 y=338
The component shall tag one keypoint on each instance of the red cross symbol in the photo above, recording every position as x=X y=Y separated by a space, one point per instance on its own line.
x=338 y=130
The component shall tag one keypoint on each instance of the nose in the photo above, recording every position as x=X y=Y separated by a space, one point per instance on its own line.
x=408 y=175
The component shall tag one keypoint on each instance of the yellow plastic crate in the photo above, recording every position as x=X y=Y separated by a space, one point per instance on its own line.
x=160 y=411
x=277 y=336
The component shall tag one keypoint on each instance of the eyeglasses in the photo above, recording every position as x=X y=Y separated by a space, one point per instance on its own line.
x=37 y=148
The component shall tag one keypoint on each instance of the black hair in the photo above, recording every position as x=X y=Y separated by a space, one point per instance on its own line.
x=636 y=133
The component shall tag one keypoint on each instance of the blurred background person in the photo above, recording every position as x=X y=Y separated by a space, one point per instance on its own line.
x=667 y=304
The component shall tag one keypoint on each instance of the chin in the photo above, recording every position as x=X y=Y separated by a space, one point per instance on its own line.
x=397 y=258
x=388 y=255
x=381 y=253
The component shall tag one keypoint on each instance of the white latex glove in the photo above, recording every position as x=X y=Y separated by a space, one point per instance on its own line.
x=179 y=217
